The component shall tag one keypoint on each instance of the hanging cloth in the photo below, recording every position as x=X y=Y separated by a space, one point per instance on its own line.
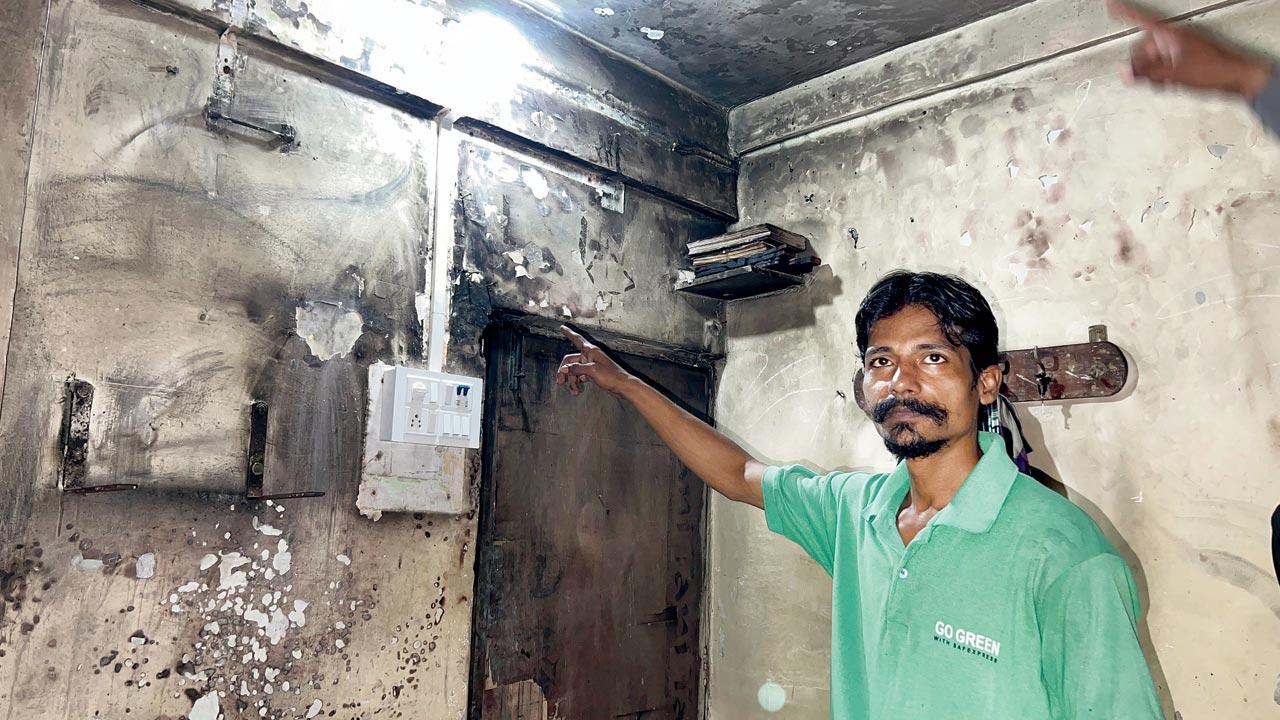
x=1000 y=418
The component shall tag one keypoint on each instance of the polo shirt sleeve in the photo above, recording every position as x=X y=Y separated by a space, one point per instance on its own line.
x=1091 y=663
x=1267 y=104
x=802 y=506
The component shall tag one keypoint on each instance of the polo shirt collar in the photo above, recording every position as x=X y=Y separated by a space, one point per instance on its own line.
x=974 y=507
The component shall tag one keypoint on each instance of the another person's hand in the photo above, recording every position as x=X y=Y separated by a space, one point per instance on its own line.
x=1172 y=55
x=590 y=365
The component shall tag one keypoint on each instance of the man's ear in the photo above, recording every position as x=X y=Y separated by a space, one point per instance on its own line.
x=860 y=391
x=989 y=382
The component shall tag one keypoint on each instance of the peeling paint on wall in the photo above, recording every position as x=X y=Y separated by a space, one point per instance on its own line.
x=329 y=329
x=544 y=239
x=198 y=272
x=209 y=271
x=1126 y=219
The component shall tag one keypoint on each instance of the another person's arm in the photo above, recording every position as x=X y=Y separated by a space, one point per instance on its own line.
x=714 y=458
x=1175 y=55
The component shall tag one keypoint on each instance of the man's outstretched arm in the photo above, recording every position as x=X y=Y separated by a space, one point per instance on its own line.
x=714 y=458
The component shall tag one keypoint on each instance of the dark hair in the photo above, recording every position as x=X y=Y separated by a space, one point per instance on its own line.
x=963 y=314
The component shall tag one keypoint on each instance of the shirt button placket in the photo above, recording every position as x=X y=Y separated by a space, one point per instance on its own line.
x=894 y=608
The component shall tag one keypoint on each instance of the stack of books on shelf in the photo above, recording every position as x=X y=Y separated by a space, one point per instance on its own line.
x=760 y=246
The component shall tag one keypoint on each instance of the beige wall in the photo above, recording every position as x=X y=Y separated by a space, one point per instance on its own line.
x=1145 y=230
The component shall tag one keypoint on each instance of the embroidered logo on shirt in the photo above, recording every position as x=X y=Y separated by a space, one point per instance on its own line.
x=967 y=641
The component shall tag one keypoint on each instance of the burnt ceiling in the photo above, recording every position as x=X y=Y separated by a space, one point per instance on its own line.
x=733 y=51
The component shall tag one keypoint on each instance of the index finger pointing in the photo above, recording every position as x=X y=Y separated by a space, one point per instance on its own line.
x=577 y=340
x=1139 y=17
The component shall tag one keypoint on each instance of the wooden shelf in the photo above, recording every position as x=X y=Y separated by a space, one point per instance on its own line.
x=740 y=282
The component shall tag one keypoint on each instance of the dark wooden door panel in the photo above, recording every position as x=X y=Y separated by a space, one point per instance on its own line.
x=590 y=576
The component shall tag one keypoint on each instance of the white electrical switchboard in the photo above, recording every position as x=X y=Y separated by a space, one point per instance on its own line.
x=430 y=408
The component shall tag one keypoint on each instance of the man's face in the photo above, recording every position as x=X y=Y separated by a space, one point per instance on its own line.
x=919 y=388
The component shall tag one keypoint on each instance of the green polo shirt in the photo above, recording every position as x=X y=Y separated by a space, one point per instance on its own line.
x=1009 y=605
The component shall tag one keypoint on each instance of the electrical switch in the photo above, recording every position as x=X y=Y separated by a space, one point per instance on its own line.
x=429 y=408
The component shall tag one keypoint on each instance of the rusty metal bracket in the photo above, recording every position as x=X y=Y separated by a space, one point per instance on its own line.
x=73 y=440
x=217 y=114
x=1094 y=370
x=289 y=496
x=256 y=458
x=284 y=133
x=77 y=410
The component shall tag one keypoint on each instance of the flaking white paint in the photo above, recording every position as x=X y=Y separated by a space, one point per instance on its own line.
x=1143 y=230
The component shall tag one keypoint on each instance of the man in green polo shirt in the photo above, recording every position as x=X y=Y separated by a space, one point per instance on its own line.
x=962 y=589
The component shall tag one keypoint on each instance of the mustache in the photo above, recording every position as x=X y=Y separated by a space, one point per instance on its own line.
x=881 y=411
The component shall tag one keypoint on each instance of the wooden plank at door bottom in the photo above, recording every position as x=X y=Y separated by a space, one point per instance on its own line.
x=519 y=701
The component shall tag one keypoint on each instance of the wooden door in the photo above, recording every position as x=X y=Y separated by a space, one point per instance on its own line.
x=590 y=566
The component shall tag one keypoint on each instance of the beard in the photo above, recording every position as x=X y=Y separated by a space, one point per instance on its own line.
x=903 y=440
